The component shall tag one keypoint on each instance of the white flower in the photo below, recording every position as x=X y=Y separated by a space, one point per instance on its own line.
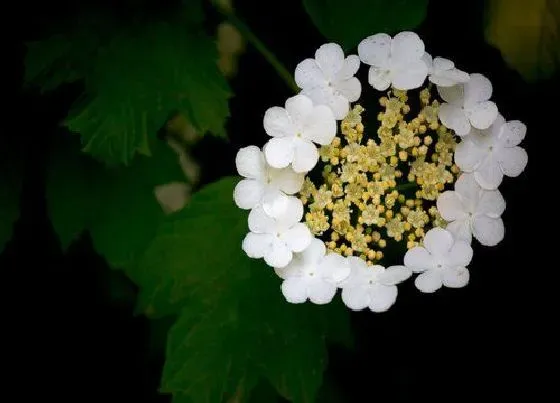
x=313 y=274
x=442 y=261
x=276 y=238
x=493 y=153
x=442 y=72
x=468 y=105
x=472 y=210
x=373 y=287
x=396 y=61
x=329 y=79
x=264 y=184
x=294 y=130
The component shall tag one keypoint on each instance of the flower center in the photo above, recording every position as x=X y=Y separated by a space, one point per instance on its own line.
x=379 y=189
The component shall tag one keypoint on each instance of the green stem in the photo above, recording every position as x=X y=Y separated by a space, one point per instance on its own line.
x=405 y=186
x=261 y=47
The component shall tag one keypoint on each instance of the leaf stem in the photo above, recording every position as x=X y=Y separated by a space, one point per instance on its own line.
x=261 y=47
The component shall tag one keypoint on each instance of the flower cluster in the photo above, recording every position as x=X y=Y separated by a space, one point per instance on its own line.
x=426 y=180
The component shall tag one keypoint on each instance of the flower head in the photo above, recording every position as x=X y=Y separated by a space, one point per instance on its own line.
x=313 y=274
x=372 y=287
x=294 y=129
x=263 y=184
x=493 y=153
x=276 y=238
x=329 y=79
x=467 y=105
x=397 y=61
x=441 y=261
x=471 y=210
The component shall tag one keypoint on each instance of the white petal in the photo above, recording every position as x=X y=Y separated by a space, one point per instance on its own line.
x=274 y=201
x=256 y=245
x=491 y=203
x=418 y=259
x=441 y=64
x=478 y=89
x=460 y=254
x=428 y=60
x=468 y=155
x=326 y=96
x=456 y=278
x=379 y=79
x=279 y=151
x=294 y=290
x=512 y=133
x=450 y=206
x=250 y=162
x=453 y=117
x=394 y=275
x=375 y=50
x=260 y=222
x=429 y=281
x=449 y=78
x=359 y=272
x=286 y=179
x=248 y=193
x=278 y=255
x=287 y=212
x=335 y=268
x=489 y=173
x=305 y=156
x=407 y=47
x=355 y=298
x=488 y=231
x=277 y=122
x=469 y=190
x=321 y=292
x=349 y=89
x=453 y=95
x=382 y=297
x=298 y=237
x=308 y=74
x=320 y=125
x=482 y=114
x=512 y=160
x=410 y=76
x=438 y=242
x=461 y=230
x=330 y=58
x=299 y=107
x=349 y=68
x=314 y=253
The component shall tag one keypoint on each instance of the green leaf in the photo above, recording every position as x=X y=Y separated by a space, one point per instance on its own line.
x=117 y=206
x=10 y=189
x=135 y=79
x=235 y=326
x=348 y=22
x=526 y=33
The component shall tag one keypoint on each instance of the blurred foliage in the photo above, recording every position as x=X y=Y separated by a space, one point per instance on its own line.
x=348 y=22
x=527 y=33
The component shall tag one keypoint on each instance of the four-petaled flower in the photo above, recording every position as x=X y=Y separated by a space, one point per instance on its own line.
x=493 y=153
x=313 y=274
x=471 y=210
x=294 y=129
x=397 y=61
x=263 y=185
x=442 y=72
x=329 y=79
x=372 y=287
x=441 y=261
x=467 y=105
x=276 y=237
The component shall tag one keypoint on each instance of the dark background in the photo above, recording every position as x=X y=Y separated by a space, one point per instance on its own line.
x=68 y=330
